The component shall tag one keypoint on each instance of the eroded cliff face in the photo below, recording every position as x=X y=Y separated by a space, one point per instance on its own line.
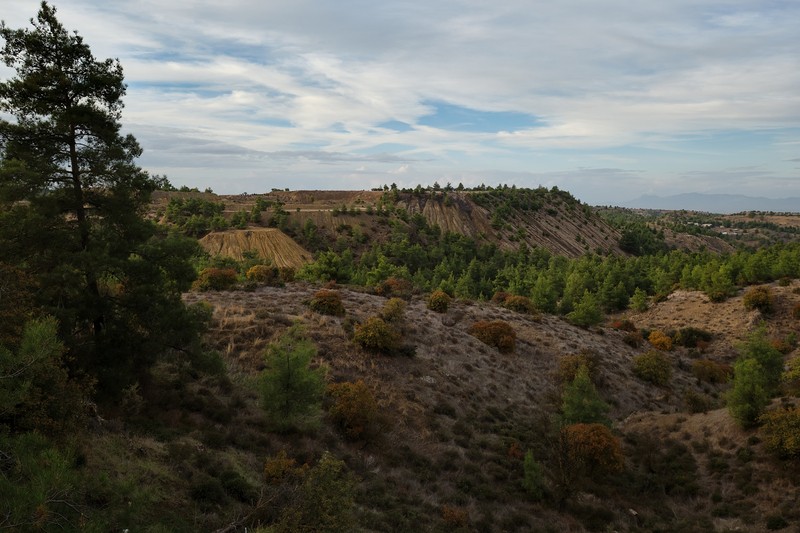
x=270 y=243
x=562 y=229
x=454 y=213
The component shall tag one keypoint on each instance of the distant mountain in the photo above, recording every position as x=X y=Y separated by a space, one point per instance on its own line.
x=715 y=203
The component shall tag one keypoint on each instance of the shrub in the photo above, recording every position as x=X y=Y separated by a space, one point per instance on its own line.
x=520 y=304
x=593 y=449
x=323 y=501
x=291 y=391
x=376 y=335
x=394 y=310
x=696 y=402
x=208 y=491
x=399 y=287
x=533 y=477
x=439 y=301
x=757 y=346
x=748 y=397
x=267 y=274
x=281 y=468
x=568 y=365
x=633 y=339
x=327 y=302
x=587 y=311
x=287 y=274
x=711 y=371
x=653 y=366
x=580 y=402
x=215 y=279
x=354 y=409
x=499 y=297
x=760 y=298
x=784 y=346
x=624 y=325
x=796 y=311
x=781 y=431
x=660 y=340
x=776 y=522
x=639 y=301
x=693 y=338
x=455 y=517
x=495 y=333
x=790 y=378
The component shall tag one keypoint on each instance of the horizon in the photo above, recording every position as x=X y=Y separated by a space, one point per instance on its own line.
x=652 y=99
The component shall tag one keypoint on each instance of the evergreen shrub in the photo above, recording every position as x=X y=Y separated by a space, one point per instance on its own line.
x=327 y=302
x=215 y=279
x=376 y=335
x=439 y=301
x=495 y=333
x=653 y=366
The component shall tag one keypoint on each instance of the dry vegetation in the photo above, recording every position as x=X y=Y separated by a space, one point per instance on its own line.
x=454 y=414
x=269 y=243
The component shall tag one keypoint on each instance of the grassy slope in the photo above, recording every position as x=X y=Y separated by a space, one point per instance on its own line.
x=456 y=414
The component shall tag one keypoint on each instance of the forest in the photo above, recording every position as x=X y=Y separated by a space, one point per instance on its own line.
x=405 y=377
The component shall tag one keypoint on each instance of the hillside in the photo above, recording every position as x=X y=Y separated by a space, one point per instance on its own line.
x=270 y=243
x=554 y=221
x=456 y=412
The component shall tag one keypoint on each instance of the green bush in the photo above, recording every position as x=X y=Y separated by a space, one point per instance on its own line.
x=495 y=333
x=653 y=366
x=692 y=337
x=215 y=279
x=533 y=480
x=266 y=274
x=781 y=431
x=587 y=311
x=760 y=298
x=711 y=371
x=749 y=395
x=376 y=335
x=354 y=409
x=569 y=365
x=327 y=302
x=292 y=391
x=323 y=501
x=439 y=301
x=581 y=403
x=394 y=310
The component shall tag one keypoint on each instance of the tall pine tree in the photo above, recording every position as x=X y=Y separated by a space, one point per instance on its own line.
x=72 y=201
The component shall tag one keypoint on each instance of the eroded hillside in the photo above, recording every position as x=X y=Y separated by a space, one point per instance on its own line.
x=554 y=221
x=458 y=414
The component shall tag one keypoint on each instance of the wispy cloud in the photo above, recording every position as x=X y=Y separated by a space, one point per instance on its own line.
x=241 y=93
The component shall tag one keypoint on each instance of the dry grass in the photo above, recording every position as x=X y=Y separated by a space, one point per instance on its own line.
x=452 y=412
x=270 y=243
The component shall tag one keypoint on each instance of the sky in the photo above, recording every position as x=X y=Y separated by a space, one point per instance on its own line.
x=608 y=99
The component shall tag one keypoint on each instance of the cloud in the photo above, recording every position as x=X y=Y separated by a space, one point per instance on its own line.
x=298 y=91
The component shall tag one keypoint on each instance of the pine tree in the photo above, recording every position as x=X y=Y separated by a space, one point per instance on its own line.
x=580 y=402
x=291 y=391
x=71 y=206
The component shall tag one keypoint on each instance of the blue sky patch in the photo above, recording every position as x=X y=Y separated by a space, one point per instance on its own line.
x=457 y=118
x=396 y=125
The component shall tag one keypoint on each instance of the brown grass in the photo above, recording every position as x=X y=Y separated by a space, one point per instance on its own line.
x=270 y=243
